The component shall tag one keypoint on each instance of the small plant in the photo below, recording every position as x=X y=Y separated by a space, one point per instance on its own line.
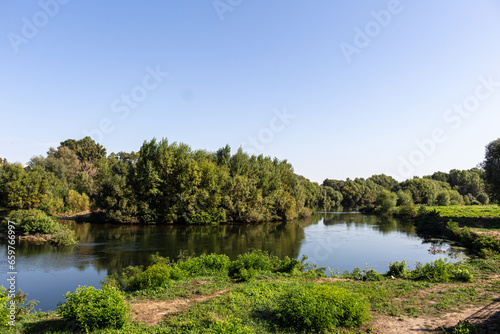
x=462 y=275
x=320 y=308
x=398 y=269
x=464 y=327
x=20 y=305
x=435 y=271
x=366 y=274
x=91 y=309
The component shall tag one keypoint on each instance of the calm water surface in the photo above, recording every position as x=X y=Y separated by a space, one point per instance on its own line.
x=340 y=241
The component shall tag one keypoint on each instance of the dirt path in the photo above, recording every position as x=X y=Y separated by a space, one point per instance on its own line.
x=484 y=316
x=152 y=312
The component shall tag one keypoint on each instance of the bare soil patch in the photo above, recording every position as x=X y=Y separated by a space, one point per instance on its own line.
x=152 y=312
x=485 y=317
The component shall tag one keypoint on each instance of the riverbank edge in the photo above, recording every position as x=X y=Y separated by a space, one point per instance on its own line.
x=489 y=280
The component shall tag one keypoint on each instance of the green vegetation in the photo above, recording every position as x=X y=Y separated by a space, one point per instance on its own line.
x=321 y=307
x=162 y=183
x=282 y=297
x=13 y=305
x=37 y=223
x=91 y=309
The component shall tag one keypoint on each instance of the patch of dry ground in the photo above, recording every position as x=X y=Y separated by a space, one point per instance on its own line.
x=485 y=316
x=152 y=312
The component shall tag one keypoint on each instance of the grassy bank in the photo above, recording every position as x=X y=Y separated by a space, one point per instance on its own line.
x=260 y=293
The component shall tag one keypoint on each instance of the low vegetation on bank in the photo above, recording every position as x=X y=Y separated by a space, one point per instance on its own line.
x=36 y=226
x=262 y=293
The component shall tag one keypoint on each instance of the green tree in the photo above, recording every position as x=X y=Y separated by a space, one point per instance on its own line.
x=491 y=166
x=385 y=201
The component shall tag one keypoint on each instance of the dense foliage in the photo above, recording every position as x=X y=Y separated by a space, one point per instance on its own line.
x=171 y=183
x=90 y=308
x=162 y=183
x=315 y=309
x=37 y=222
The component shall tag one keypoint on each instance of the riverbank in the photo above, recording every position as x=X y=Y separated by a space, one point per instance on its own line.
x=214 y=302
x=218 y=303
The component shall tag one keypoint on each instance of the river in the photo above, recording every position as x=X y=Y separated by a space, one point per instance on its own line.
x=340 y=241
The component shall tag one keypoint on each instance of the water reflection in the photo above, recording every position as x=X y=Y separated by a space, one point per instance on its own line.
x=341 y=240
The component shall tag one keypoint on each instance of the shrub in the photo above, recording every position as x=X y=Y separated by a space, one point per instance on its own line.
x=21 y=305
x=398 y=269
x=435 y=271
x=206 y=265
x=154 y=277
x=157 y=276
x=33 y=221
x=407 y=211
x=90 y=308
x=249 y=264
x=77 y=202
x=52 y=204
x=462 y=275
x=443 y=198
x=483 y=199
x=4 y=304
x=385 y=201
x=65 y=236
x=363 y=275
x=320 y=308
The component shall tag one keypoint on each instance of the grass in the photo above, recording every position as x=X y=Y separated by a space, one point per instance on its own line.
x=211 y=301
x=250 y=306
x=477 y=216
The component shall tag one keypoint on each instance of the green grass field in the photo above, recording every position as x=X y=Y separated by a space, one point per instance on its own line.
x=482 y=217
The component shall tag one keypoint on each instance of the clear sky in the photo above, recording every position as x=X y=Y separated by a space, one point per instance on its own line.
x=341 y=89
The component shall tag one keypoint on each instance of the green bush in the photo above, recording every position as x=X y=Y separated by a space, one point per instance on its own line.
x=363 y=275
x=4 y=304
x=462 y=275
x=407 y=211
x=320 y=308
x=52 y=204
x=77 y=202
x=125 y=280
x=249 y=264
x=33 y=221
x=205 y=265
x=157 y=276
x=65 y=236
x=398 y=269
x=90 y=308
x=435 y=271
x=21 y=305
x=443 y=198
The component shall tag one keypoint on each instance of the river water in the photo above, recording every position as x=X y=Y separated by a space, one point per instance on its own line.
x=340 y=241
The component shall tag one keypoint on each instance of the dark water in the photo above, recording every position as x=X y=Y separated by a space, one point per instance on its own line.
x=337 y=240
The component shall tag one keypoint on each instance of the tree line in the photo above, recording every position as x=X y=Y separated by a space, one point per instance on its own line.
x=171 y=183
x=162 y=183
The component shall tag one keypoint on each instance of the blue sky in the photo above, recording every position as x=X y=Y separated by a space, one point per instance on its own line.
x=341 y=89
